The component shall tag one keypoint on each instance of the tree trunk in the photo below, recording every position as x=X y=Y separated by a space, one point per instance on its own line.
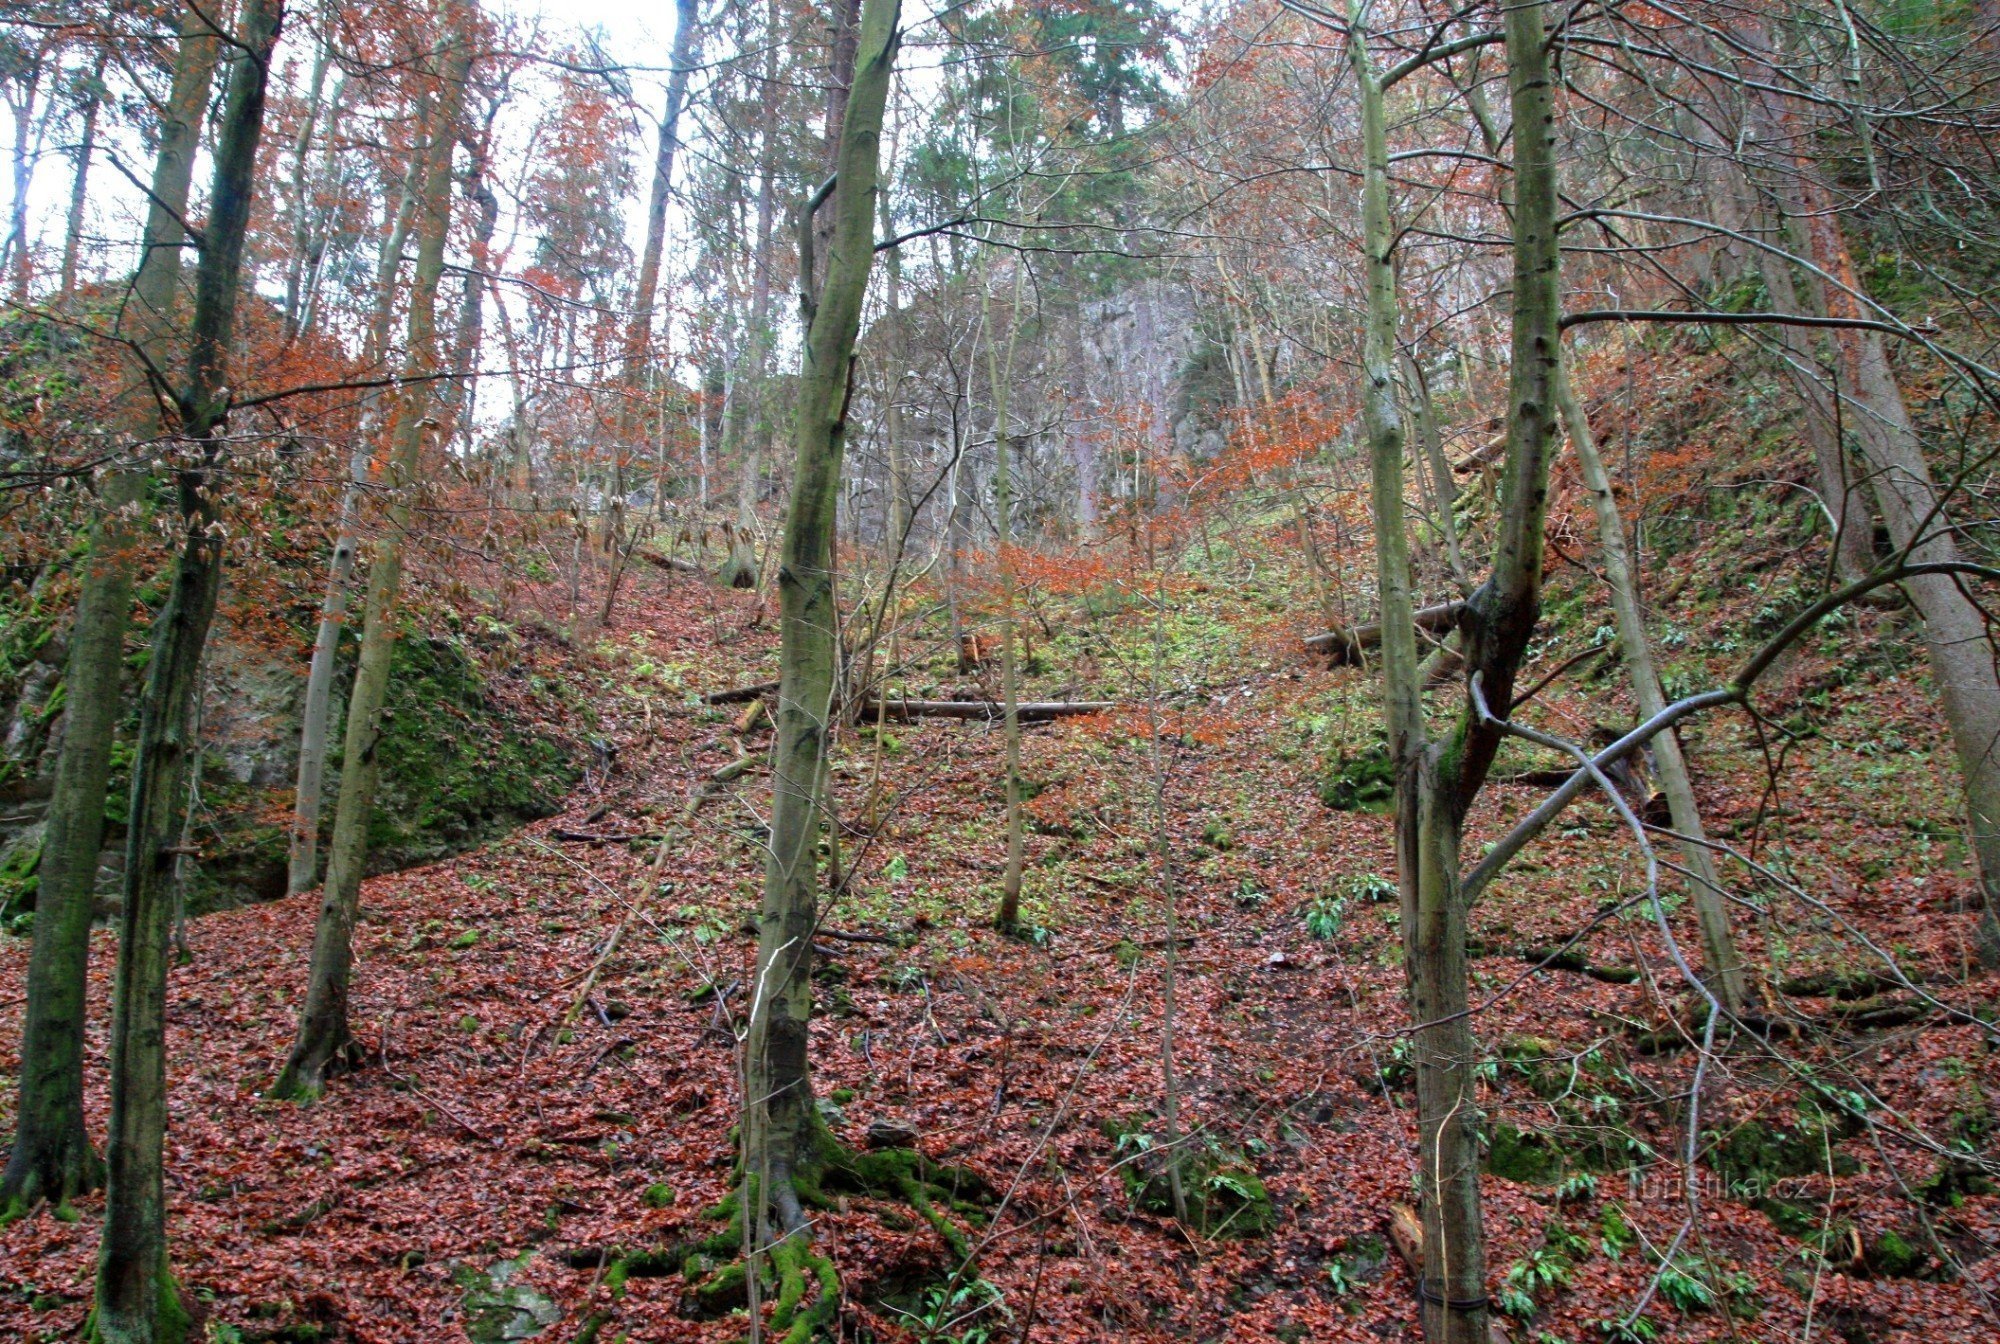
x=739 y=433
x=79 y=189
x=639 y=329
x=780 y=1126
x=137 y=1302
x=1956 y=635
x=309 y=797
x=1452 y=1280
x=1000 y=377
x=51 y=1157
x=1437 y=782
x=1725 y=967
x=325 y=1043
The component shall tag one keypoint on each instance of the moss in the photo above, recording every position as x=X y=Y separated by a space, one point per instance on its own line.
x=1894 y=1257
x=1755 y=1155
x=1518 y=1155
x=658 y=1195
x=454 y=774
x=1362 y=781
x=171 y=1323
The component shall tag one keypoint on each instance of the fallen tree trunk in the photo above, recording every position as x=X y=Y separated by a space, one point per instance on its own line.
x=734 y=694
x=1346 y=645
x=1034 y=711
x=672 y=563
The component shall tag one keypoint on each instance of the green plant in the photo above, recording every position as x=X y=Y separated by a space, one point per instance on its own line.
x=944 y=1312
x=1682 y=1285
x=1324 y=917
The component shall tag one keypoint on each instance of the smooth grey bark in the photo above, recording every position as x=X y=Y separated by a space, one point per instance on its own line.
x=51 y=1157
x=738 y=432
x=137 y=1302
x=1726 y=975
x=325 y=1041
x=309 y=796
x=1437 y=780
x=79 y=187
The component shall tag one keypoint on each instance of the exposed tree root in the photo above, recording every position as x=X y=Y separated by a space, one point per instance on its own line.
x=802 y=1284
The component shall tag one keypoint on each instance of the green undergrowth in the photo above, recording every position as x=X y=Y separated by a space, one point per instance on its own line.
x=801 y=1284
x=1221 y=1193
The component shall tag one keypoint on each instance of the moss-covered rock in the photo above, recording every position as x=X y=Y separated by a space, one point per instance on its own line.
x=498 y=1309
x=1363 y=781
x=1520 y=1155
x=455 y=773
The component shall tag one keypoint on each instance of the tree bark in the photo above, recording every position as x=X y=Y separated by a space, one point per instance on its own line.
x=137 y=1302
x=1000 y=377
x=639 y=329
x=738 y=432
x=1725 y=968
x=325 y=1043
x=309 y=797
x=780 y=1129
x=79 y=188
x=51 y=1157
x=1452 y=1278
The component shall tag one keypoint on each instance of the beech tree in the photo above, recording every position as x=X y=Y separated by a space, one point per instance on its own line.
x=52 y=1157
x=137 y=1299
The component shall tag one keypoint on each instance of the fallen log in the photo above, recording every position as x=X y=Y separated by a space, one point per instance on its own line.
x=1033 y=711
x=1345 y=645
x=735 y=694
x=672 y=563
x=1485 y=455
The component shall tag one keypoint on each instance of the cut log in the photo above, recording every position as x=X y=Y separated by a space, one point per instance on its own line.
x=739 y=693
x=1036 y=711
x=1406 y=1234
x=1345 y=645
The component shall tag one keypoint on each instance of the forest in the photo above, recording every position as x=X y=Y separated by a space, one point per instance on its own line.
x=985 y=671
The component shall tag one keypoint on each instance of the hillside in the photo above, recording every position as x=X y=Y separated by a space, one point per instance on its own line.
x=551 y=1083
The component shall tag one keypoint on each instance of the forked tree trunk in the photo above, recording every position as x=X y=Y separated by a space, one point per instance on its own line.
x=51 y=1157
x=1437 y=781
x=779 y=1127
x=325 y=1043
x=137 y=1302
x=1725 y=967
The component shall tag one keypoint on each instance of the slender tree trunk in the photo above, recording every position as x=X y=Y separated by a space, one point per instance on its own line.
x=639 y=330
x=137 y=1301
x=781 y=1119
x=309 y=797
x=325 y=1043
x=51 y=1157
x=79 y=190
x=1453 y=1279
x=740 y=570
x=1437 y=782
x=1725 y=968
x=1000 y=376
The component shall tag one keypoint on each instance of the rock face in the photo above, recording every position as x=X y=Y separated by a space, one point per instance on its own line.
x=458 y=767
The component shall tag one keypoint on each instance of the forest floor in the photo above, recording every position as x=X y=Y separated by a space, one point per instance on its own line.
x=482 y=1173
